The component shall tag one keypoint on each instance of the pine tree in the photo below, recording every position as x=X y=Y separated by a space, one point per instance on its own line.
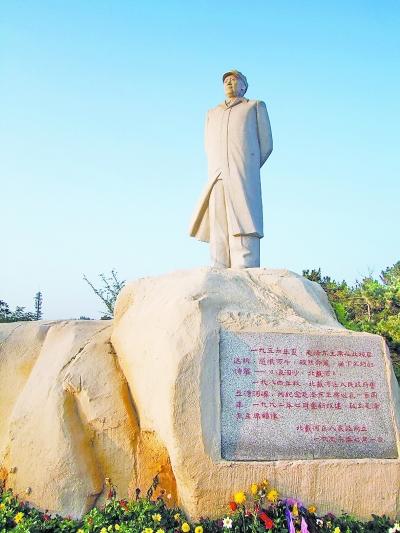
x=38 y=305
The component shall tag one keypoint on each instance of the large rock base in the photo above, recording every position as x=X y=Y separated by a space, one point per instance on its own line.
x=151 y=392
x=68 y=421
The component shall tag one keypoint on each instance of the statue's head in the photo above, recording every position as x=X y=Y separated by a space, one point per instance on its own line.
x=235 y=83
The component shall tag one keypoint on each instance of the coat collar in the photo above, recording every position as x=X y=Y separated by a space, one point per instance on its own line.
x=233 y=102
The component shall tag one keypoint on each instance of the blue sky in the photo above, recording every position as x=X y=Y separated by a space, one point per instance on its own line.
x=101 y=136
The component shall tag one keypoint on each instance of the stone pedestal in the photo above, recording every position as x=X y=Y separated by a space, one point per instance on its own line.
x=213 y=378
x=245 y=375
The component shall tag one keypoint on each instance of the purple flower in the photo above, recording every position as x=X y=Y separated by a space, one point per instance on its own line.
x=304 y=528
x=289 y=520
x=292 y=501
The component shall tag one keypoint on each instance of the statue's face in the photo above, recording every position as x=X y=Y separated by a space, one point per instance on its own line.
x=233 y=86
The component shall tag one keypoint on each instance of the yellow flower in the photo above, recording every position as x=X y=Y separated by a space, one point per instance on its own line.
x=156 y=517
x=312 y=509
x=117 y=527
x=272 y=496
x=295 y=510
x=239 y=497
x=185 y=527
x=103 y=530
x=2 y=506
x=177 y=517
x=336 y=530
x=254 y=489
x=110 y=528
x=147 y=530
x=18 y=517
x=81 y=530
x=160 y=530
x=198 y=529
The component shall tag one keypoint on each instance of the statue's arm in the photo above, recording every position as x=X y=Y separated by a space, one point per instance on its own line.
x=264 y=132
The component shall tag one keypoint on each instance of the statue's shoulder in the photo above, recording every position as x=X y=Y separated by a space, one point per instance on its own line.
x=217 y=108
x=215 y=112
x=256 y=102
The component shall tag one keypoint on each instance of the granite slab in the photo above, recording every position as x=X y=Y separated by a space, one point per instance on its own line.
x=304 y=396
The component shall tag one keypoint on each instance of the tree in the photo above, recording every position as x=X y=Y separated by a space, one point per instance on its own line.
x=108 y=292
x=371 y=305
x=19 y=314
x=38 y=305
x=4 y=312
x=391 y=275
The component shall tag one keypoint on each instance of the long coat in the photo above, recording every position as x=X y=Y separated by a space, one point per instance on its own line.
x=238 y=141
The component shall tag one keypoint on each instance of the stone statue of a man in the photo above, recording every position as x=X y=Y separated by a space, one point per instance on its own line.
x=238 y=141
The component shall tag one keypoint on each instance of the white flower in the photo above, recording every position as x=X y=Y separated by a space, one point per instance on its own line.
x=395 y=528
x=320 y=522
x=227 y=522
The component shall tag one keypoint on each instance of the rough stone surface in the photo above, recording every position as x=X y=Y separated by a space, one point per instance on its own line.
x=67 y=420
x=167 y=333
x=291 y=396
x=75 y=408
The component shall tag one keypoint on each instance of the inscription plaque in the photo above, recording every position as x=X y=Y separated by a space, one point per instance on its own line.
x=304 y=396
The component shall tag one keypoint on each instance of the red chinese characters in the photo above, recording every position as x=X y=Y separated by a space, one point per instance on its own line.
x=285 y=379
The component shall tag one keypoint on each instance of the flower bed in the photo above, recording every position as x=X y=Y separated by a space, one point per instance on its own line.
x=259 y=511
